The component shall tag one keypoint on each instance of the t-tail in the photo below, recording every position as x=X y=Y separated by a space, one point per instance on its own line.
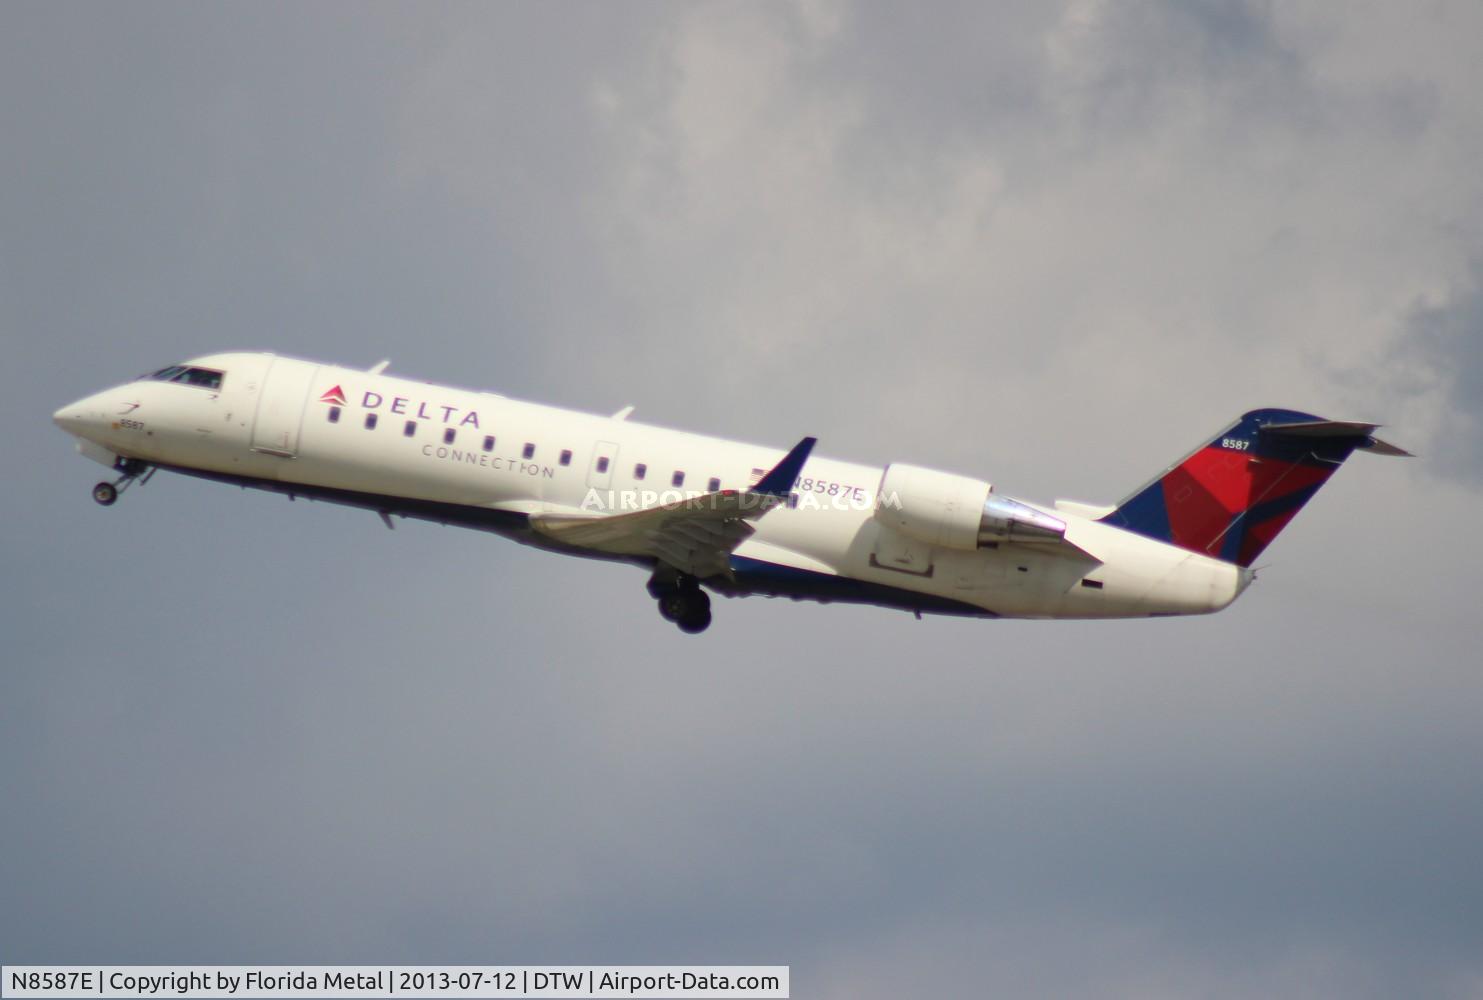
x=1229 y=498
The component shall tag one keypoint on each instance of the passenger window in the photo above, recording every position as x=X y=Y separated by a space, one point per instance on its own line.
x=370 y=421
x=409 y=428
x=640 y=470
x=489 y=442
x=566 y=456
x=334 y=414
x=449 y=435
x=678 y=479
x=713 y=485
x=602 y=464
x=529 y=452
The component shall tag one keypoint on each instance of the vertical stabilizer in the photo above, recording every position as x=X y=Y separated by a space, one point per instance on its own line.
x=1230 y=497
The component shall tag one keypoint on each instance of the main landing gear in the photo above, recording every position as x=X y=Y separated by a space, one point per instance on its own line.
x=683 y=602
x=107 y=494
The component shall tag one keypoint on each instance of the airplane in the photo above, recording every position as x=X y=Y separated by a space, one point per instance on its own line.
x=705 y=514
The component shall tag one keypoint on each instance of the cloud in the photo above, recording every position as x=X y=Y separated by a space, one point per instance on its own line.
x=1197 y=201
x=1448 y=338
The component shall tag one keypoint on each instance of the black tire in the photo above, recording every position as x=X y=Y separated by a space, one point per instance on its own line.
x=105 y=494
x=688 y=607
x=696 y=622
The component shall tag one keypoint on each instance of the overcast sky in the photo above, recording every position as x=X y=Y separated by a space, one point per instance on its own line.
x=1054 y=246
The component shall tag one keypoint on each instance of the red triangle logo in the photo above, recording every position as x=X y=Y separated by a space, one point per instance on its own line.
x=335 y=395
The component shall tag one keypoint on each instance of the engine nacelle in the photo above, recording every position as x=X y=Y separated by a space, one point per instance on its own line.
x=938 y=508
x=956 y=512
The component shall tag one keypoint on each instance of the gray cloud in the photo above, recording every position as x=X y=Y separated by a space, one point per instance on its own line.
x=1447 y=339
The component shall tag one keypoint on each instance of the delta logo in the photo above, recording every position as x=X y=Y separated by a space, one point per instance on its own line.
x=402 y=405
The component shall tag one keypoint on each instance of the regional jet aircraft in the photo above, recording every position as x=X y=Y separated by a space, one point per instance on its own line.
x=702 y=513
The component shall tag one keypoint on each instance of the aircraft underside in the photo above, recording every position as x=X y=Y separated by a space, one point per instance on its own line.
x=680 y=598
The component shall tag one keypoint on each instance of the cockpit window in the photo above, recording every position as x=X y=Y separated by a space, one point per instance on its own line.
x=206 y=378
x=203 y=377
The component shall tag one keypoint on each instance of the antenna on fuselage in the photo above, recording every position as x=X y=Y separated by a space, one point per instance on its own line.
x=379 y=366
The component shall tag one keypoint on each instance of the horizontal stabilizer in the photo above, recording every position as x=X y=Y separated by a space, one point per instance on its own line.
x=1379 y=447
x=1321 y=428
x=1338 y=429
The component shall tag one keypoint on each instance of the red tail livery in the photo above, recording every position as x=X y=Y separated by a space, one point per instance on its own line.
x=1230 y=498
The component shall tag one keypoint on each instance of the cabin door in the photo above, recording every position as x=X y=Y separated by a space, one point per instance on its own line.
x=280 y=407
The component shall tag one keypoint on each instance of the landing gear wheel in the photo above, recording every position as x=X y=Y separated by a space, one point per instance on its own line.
x=105 y=494
x=696 y=622
x=683 y=602
x=693 y=610
x=672 y=606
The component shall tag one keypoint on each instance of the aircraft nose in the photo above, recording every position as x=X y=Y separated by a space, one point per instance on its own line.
x=88 y=415
x=70 y=418
x=67 y=417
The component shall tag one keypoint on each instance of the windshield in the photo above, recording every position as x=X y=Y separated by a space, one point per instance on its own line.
x=206 y=378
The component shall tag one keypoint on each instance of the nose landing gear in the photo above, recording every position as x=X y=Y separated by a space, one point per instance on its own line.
x=683 y=602
x=107 y=494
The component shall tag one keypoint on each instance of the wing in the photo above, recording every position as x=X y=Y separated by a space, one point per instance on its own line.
x=695 y=535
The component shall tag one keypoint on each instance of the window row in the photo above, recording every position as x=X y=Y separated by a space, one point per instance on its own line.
x=676 y=479
x=450 y=435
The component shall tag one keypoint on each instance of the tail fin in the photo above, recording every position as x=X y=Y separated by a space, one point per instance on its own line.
x=1229 y=498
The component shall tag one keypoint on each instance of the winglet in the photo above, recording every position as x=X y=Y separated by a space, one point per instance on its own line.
x=779 y=482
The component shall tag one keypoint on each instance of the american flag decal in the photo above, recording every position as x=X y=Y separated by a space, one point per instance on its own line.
x=756 y=477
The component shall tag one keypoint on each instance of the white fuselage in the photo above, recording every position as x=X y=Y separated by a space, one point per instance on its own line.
x=487 y=461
